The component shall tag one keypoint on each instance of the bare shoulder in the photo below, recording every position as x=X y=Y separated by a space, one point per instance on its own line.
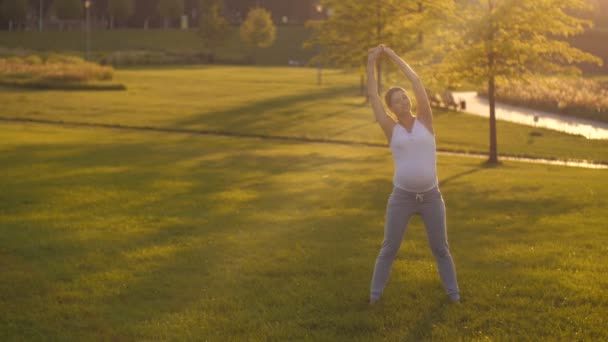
x=428 y=126
x=425 y=116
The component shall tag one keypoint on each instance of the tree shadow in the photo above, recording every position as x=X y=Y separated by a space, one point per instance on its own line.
x=262 y=115
x=239 y=229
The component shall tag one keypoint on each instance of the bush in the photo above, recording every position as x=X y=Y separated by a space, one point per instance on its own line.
x=54 y=58
x=56 y=70
x=33 y=60
x=577 y=97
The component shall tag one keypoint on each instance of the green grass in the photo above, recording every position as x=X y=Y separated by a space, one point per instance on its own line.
x=274 y=101
x=115 y=235
x=288 y=44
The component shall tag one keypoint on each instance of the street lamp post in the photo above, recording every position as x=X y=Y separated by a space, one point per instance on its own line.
x=319 y=9
x=87 y=6
x=40 y=17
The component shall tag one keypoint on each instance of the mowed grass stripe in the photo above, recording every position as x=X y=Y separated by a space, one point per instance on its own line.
x=275 y=102
x=570 y=162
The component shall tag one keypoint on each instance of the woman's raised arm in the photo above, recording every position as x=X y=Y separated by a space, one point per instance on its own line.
x=384 y=120
x=423 y=107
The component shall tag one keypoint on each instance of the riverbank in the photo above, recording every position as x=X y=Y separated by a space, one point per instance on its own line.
x=589 y=129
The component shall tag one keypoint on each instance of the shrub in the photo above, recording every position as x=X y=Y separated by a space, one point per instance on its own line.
x=54 y=58
x=33 y=60
x=56 y=69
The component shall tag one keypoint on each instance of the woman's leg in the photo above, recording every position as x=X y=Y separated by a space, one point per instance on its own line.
x=433 y=215
x=398 y=213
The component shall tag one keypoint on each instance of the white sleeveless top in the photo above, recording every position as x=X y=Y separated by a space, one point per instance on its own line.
x=414 y=156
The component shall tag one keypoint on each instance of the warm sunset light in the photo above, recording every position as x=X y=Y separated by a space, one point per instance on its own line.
x=303 y=170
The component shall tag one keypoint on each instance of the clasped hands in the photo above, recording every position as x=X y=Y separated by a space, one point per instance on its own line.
x=375 y=52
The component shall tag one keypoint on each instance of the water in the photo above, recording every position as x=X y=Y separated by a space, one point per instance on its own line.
x=588 y=128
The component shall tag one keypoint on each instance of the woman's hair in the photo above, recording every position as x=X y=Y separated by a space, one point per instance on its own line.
x=389 y=93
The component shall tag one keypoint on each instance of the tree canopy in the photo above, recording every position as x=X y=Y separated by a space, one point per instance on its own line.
x=456 y=41
x=258 y=30
x=498 y=39
x=355 y=26
x=213 y=27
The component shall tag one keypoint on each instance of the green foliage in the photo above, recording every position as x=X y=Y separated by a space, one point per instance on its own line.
x=120 y=10
x=509 y=39
x=355 y=26
x=170 y=9
x=68 y=9
x=55 y=58
x=213 y=27
x=33 y=60
x=497 y=38
x=54 y=72
x=258 y=30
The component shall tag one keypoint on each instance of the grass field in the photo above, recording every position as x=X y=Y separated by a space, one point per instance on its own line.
x=115 y=235
x=288 y=44
x=276 y=102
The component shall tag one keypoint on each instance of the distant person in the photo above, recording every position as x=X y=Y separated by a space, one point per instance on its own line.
x=415 y=186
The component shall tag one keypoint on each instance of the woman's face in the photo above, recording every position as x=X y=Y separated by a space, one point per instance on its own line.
x=400 y=103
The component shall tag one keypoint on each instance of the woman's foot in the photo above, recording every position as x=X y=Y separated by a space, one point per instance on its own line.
x=455 y=299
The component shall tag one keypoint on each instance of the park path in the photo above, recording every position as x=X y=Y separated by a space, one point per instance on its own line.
x=572 y=163
x=590 y=129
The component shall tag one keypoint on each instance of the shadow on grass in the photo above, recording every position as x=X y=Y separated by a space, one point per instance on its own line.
x=263 y=114
x=164 y=218
x=178 y=238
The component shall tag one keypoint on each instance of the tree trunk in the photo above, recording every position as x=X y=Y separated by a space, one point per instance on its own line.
x=491 y=93
x=379 y=28
x=492 y=89
x=420 y=34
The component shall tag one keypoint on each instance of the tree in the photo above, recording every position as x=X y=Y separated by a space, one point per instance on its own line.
x=68 y=9
x=213 y=27
x=170 y=9
x=355 y=26
x=120 y=11
x=15 y=11
x=501 y=39
x=258 y=30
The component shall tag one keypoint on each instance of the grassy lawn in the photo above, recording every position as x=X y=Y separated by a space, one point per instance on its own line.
x=114 y=235
x=273 y=101
x=288 y=44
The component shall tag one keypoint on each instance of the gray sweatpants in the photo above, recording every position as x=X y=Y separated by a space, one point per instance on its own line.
x=402 y=205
